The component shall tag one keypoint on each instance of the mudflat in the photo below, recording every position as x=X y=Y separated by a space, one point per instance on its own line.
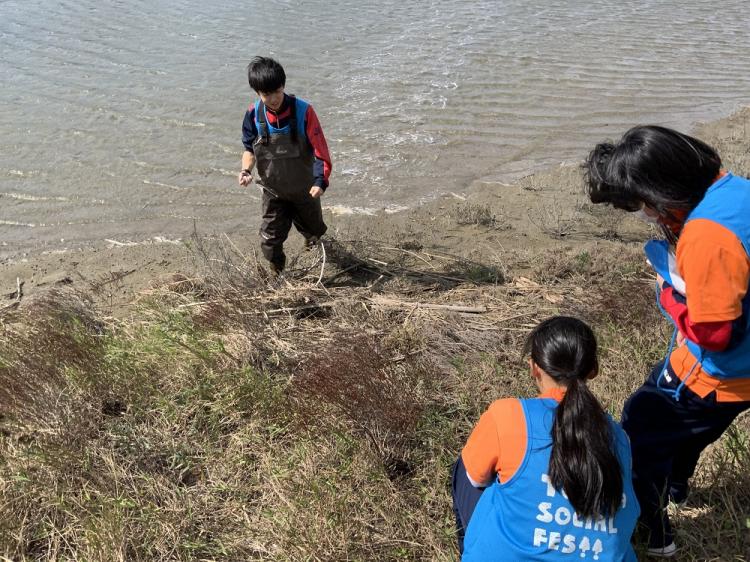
x=542 y=212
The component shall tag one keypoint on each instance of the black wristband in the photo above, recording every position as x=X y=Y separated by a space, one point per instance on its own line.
x=247 y=171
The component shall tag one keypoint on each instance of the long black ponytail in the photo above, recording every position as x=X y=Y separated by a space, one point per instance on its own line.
x=583 y=462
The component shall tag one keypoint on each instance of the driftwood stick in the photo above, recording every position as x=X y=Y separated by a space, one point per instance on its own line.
x=340 y=273
x=14 y=304
x=322 y=267
x=451 y=258
x=293 y=308
x=516 y=316
x=410 y=253
x=200 y=303
x=455 y=308
x=378 y=280
x=225 y=262
x=236 y=249
x=428 y=306
x=430 y=275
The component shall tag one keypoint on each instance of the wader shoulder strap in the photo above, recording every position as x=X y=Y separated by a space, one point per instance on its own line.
x=262 y=122
x=293 y=118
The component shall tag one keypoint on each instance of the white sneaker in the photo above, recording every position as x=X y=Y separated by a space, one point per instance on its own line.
x=663 y=551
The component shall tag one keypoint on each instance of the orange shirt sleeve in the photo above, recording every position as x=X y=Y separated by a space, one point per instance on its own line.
x=716 y=270
x=497 y=443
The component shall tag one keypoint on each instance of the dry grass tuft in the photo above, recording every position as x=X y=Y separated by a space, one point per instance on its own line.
x=47 y=340
x=236 y=417
x=375 y=390
x=466 y=213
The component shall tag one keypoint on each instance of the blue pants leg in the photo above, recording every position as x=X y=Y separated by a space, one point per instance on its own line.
x=465 y=498
x=667 y=437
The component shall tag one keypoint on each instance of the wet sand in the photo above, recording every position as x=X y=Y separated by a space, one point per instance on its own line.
x=539 y=213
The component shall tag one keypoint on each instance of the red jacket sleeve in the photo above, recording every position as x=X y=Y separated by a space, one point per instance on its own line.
x=322 y=166
x=713 y=336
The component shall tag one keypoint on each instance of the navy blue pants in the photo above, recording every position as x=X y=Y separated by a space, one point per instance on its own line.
x=465 y=498
x=667 y=437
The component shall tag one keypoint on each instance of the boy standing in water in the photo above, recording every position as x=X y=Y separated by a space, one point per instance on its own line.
x=283 y=137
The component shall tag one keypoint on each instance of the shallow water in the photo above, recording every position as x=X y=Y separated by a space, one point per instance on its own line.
x=121 y=120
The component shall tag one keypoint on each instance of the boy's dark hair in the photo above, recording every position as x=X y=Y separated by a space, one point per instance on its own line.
x=583 y=462
x=265 y=75
x=663 y=168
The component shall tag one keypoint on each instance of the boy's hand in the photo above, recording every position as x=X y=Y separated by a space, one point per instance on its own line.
x=245 y=178
x=316 y=191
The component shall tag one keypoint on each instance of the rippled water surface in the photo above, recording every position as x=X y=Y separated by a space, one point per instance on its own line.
x=121 y=120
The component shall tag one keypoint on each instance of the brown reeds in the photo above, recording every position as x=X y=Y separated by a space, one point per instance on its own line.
x=232 y=416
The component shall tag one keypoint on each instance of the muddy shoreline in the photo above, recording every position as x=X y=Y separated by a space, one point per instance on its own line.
x=542 y=212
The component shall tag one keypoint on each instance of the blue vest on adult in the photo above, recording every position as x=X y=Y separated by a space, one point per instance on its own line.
x=727 y=202
x=527 y=519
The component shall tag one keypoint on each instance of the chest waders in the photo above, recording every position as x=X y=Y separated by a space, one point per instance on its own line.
x=284 y=160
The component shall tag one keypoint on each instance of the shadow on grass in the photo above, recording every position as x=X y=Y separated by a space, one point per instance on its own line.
x=367 y=263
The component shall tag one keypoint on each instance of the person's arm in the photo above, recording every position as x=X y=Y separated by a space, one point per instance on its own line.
x=713 y=336
x=322 y=164
x=716 y=270
x=248 y=163
x=249 y=134
x=482 y=451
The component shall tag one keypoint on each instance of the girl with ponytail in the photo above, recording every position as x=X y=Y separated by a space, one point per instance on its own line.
x=548 y=478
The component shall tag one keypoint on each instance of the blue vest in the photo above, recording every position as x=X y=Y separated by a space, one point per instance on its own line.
x=727 y=202
x=300 y=110
x=527 y=519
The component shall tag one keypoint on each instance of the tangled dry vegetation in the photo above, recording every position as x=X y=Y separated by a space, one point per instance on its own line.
x=315 y=417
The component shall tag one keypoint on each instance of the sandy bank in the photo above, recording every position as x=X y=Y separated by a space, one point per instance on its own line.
x=541 y=212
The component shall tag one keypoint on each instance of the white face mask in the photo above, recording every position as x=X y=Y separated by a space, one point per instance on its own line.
x=645 y=217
